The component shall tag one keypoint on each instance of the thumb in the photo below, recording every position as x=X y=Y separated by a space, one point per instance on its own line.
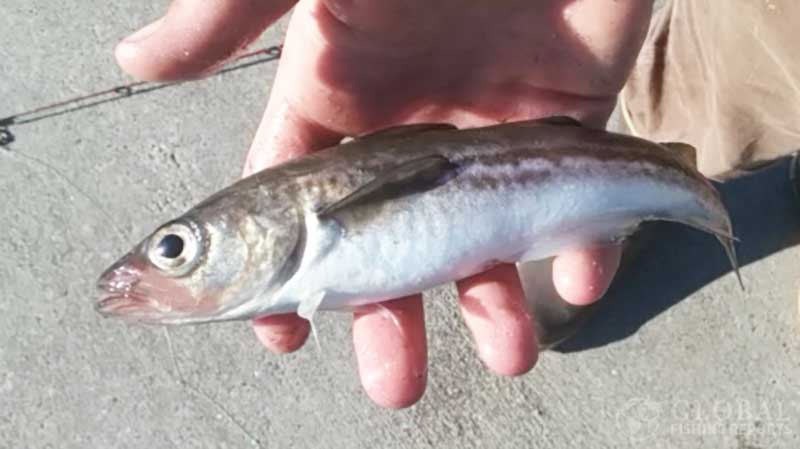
x=196 y=36
x=285 y=134
x=286 y=131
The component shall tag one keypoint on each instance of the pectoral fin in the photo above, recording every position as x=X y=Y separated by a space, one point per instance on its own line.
x=416 y=176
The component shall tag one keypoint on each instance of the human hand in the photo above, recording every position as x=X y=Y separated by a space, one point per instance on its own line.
x=350 y=67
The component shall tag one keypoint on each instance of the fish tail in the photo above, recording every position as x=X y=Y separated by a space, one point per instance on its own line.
x=724 y=235
x=727 y=242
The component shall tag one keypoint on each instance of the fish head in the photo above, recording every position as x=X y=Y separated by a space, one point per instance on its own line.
x=214 y=263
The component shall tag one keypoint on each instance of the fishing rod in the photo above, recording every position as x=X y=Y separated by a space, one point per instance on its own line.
x=120 y=92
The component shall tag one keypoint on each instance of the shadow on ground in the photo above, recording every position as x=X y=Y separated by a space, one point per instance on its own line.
x=674 y=261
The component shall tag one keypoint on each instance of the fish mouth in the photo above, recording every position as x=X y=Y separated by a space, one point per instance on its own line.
x=131 y=291
x=128 y=302
x=121 y=294
x=127 y=305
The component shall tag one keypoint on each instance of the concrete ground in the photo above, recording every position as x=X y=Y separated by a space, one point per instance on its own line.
x=678 y=357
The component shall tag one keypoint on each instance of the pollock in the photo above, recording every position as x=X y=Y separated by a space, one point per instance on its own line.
x=402 y=210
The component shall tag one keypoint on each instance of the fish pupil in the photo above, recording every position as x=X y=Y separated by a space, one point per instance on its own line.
x=171 y=246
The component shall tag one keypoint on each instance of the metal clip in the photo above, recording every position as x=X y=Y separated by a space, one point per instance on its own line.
x=6 y=137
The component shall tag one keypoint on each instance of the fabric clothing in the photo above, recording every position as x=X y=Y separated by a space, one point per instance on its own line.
x=723 y=76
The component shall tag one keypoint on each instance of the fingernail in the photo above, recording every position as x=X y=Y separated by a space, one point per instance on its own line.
x=143 y=33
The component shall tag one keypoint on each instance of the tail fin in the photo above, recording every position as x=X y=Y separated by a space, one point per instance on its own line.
x=725 y=238
x=727 y=242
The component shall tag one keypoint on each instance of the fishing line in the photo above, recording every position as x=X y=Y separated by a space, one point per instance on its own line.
x=245 y=60
x=93 y=99
x=86 y=195
x=178 y=377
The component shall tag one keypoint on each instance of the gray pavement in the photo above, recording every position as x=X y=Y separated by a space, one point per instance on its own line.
x=678 y=358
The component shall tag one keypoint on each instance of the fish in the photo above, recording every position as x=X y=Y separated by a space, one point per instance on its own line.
x=403 y=210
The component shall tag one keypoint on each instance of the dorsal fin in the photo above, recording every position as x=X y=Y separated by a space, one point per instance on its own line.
x=406 y=129
x=686 y=152
x=558 y=120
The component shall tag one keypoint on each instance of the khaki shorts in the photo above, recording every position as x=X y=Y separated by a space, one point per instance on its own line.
x=723 y=76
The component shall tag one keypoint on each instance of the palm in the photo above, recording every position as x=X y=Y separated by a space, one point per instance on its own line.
x=355 y=70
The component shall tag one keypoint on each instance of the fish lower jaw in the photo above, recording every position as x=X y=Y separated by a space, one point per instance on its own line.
x=132 y=306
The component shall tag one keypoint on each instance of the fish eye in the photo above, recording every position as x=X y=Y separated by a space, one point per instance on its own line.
x=170 y=246
x=175 y=248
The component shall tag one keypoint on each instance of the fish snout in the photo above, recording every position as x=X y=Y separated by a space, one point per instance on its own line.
x=116 y=288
